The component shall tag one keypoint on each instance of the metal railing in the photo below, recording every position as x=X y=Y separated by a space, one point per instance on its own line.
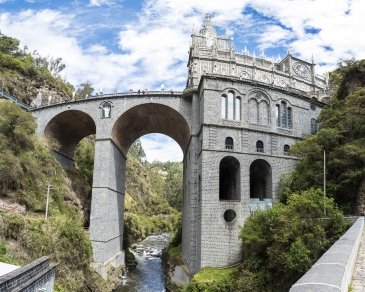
x=15 y=100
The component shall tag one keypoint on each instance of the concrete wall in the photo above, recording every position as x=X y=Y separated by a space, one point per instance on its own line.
x=333 y=271
x=35 y=276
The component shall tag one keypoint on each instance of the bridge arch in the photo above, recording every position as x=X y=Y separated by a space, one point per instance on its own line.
x=68 y=128
x=150 y=118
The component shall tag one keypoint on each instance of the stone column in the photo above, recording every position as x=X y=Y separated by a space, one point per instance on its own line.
x=107 y=206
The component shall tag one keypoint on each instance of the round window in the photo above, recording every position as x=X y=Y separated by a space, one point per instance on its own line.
x=229 y=215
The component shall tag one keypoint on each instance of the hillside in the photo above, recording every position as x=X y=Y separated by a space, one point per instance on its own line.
x=26 y=74
x=27 y=167
x=342 y=136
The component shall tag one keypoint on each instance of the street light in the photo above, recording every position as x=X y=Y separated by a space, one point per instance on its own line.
x=324 y=182
x=47 y=202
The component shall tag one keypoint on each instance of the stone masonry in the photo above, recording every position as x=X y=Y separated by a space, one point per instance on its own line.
x=38 y=275
x=235 y=123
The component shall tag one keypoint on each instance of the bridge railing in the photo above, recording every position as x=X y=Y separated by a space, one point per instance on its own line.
x=14 y=99
x=141 y=93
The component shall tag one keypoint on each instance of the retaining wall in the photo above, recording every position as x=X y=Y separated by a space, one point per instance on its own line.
x=38 y=275
x=333 y=271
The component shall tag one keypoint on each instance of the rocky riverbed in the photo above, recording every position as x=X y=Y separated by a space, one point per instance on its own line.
x=148 y=275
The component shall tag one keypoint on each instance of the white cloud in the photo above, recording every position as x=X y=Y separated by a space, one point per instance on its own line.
x=340 y=24
x=161 y=148
x=153 y=46
x=101 y=2
x=51 y=33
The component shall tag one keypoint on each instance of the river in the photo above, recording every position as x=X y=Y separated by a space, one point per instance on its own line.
x=148 y=275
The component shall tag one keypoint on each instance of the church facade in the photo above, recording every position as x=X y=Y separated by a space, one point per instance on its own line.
x=249 y=112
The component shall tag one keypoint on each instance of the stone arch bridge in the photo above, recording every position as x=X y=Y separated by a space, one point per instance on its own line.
x=116 y=120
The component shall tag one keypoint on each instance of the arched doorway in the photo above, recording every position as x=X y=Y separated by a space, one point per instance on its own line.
x=229 y=179
x=260 y=180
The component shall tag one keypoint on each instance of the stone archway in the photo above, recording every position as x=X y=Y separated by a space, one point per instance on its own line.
x=260 y=180
x=107 y=205
x=150 y=118
x=67 y=129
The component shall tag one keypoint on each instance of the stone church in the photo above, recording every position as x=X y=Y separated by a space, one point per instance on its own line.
x=250 y=111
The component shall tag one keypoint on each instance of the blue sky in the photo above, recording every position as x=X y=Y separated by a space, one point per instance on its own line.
x=130 y=44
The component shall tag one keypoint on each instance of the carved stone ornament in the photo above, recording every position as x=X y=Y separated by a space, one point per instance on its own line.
x=301 y=69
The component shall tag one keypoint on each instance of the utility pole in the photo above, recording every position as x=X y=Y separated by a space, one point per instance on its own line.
x=324 y=182
x=47 y=202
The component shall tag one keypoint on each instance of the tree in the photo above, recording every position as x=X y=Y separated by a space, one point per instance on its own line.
x=9 y=45
x=84 y=90
x=173 y=188
x=283 y=242
x=341 y=135
x=56 y=66
x=137 y=150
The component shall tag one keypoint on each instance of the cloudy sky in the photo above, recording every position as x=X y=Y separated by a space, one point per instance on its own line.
x=131 y=44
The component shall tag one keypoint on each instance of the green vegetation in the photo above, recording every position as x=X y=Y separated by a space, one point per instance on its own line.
x=147 y=210
x=212 y=279
x=24 y=74
x=282 y=243
x=279 y=245
x=26 y=169
x=342 y=136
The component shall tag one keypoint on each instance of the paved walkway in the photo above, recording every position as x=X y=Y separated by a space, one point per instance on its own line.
x=358 y=277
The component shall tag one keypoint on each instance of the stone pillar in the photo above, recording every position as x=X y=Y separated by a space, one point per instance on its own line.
x=107 y=206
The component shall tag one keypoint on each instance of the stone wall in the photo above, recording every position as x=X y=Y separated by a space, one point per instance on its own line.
x=333 y=271
x=38 y=275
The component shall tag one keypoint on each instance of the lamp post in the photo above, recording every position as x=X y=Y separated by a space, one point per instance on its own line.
x=324 y=182
x=47 y=201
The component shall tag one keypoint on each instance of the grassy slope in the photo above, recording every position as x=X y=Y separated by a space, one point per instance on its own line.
x=26 y=168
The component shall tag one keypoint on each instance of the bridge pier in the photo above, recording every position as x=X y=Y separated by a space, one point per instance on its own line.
x=107 y=206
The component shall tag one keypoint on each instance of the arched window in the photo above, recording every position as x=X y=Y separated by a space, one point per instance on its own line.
x=106 y=110
x=231 y=107
x=278 y=115
x=253 y=111
x=260 y=179
x=283 y=112
x=229 y=179
x=237 y=109
x=224 y=107
x=263 y=113
x=286 y=149
x=313 y=126
x=229 y=143
x=284 y=115
x=259 y=146
x=289 y=118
